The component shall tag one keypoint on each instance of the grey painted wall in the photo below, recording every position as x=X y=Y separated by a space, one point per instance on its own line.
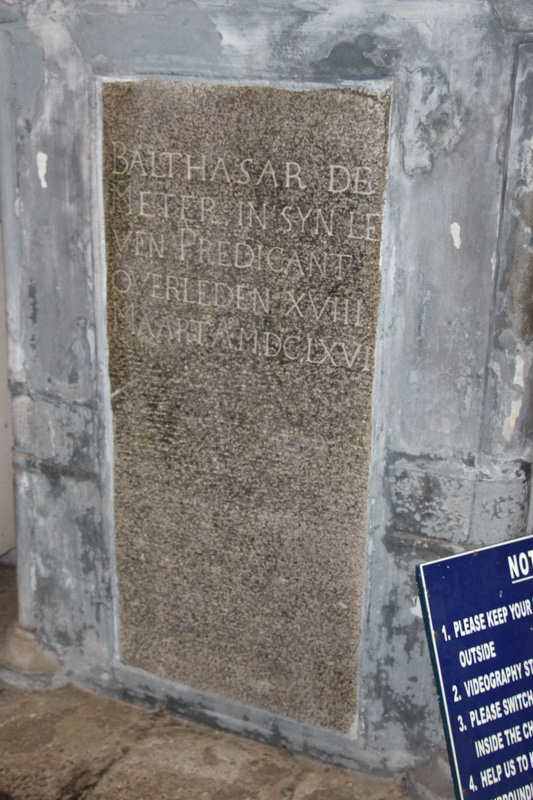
x=7 y=509
x=452 y=410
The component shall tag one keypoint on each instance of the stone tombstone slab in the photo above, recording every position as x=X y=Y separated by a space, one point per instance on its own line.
x=243 y=228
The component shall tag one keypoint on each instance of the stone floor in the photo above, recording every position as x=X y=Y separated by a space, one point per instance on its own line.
x=68 y=744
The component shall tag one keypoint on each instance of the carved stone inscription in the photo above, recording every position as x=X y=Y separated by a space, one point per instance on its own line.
x=243 y=230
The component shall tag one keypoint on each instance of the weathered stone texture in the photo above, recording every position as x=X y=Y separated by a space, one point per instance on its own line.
x=243 y=289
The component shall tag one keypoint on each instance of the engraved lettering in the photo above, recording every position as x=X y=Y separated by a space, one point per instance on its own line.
x=186 y=238
x=197 y=169
x=243 y=172
x=222 y=334
x=342 y=180
x=371 y=233
x=272 y=344
x=243 y=337
x=220 y=172
x=248 y=213
x=118 y=195
x=295 y=304
x=120 y=162
x=292 y=173
x=268 y=170
x=146 y=241
x=122 y=245
x=287 y=345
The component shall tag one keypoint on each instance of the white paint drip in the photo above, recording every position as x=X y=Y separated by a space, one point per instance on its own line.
x=519 y=370
x=522 y=367
x=42 y=161
x=455 y=230
x=510 y=422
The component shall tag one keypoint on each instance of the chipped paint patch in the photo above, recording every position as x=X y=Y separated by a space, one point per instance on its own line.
x=455 y=230
x=510 y=422
x=42 y=162
x=522 y=367
x=250 y=45
x=416 y=609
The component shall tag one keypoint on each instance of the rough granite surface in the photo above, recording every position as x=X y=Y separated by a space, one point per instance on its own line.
x=243 y=243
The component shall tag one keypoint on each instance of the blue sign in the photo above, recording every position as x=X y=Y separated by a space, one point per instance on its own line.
x=478 y=610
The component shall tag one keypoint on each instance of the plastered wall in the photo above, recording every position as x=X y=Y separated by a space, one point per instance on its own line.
x=451 y=445
x=7 y=518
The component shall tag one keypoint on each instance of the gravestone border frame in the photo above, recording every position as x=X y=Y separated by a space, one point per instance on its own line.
x=131 y=683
